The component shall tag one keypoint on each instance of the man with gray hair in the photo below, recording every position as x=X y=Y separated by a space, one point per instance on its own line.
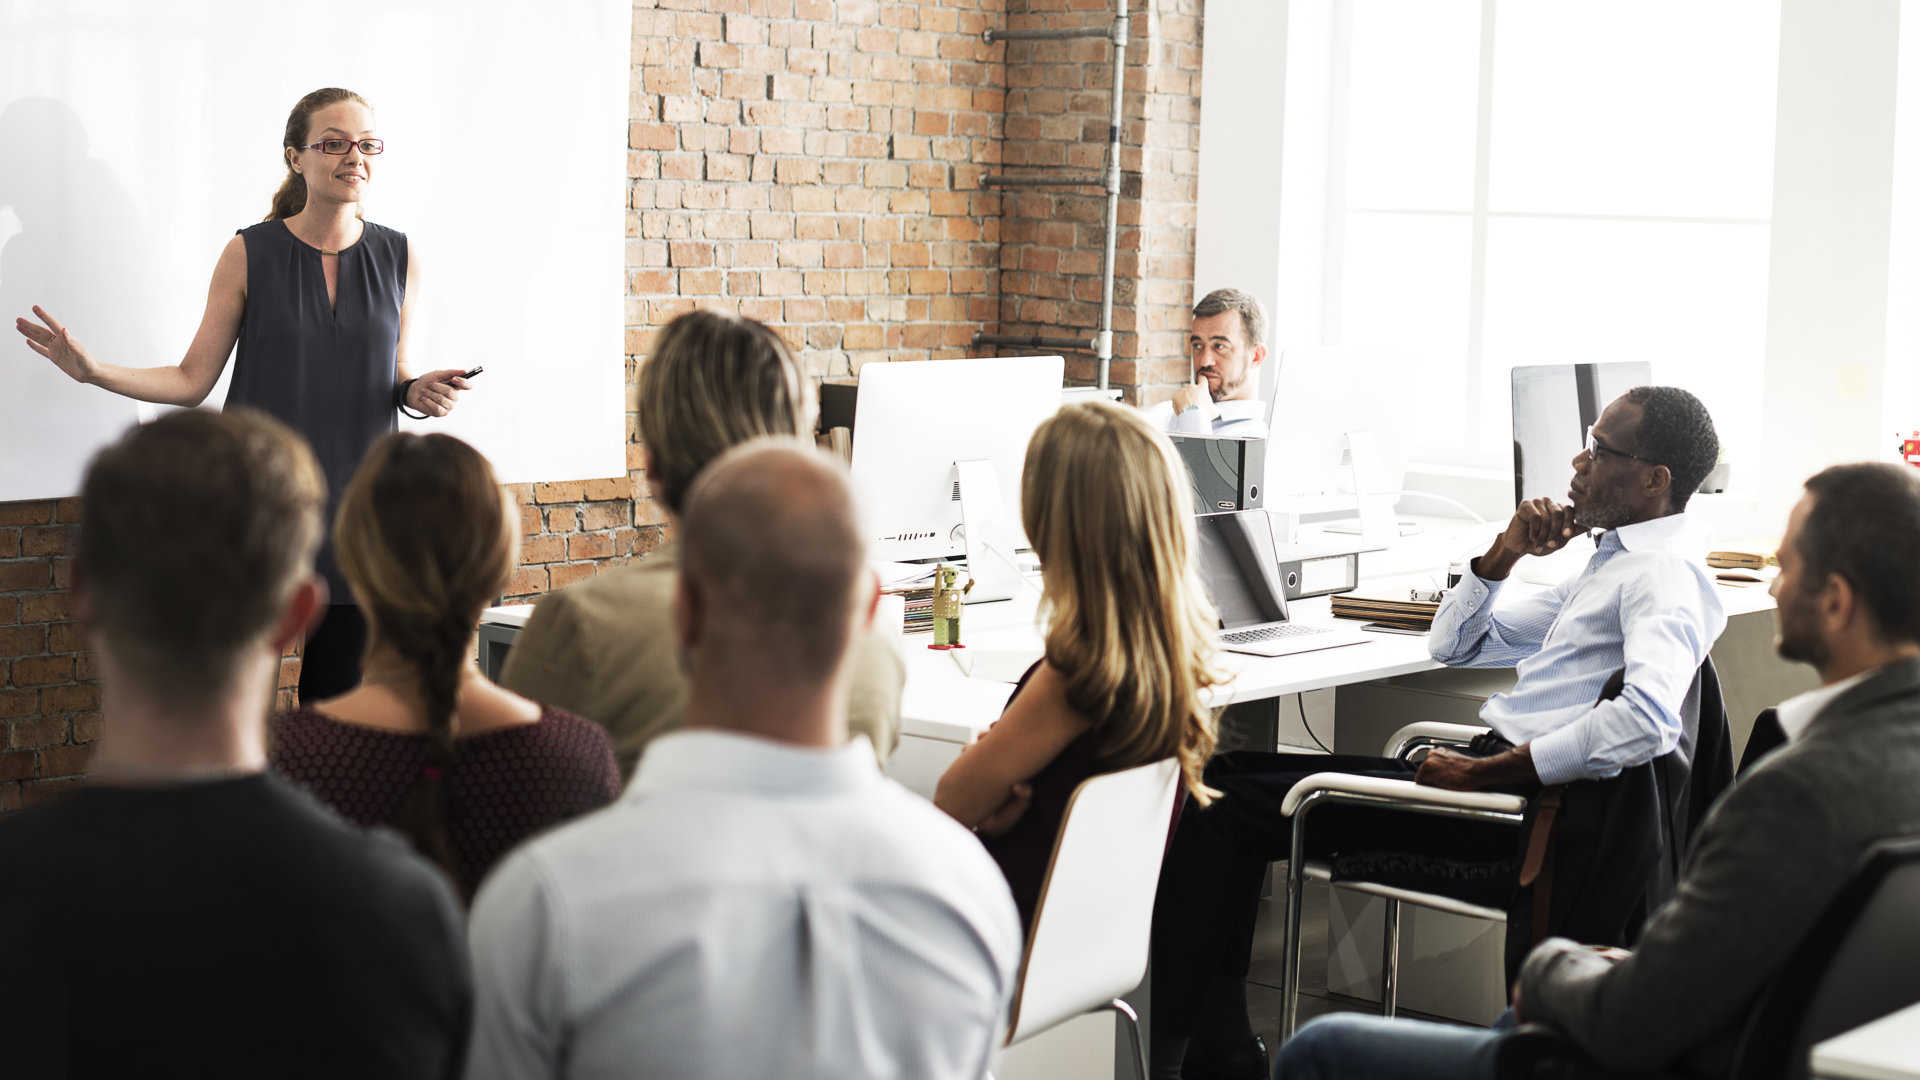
x=1227 y=345
x=761 y=902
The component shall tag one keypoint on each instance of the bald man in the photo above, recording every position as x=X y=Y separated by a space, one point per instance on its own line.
x=761 y=902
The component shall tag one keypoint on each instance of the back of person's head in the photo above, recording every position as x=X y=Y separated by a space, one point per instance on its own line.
x=1676 y=431
x=1862 y=526
x=425 y=538
x=199 y=527
x=1109 y=510
x=772 y=544
x=1253 y=317
x=713 y=382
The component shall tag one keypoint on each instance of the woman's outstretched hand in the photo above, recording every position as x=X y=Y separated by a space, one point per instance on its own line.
x=57 y=344
x=436 y=392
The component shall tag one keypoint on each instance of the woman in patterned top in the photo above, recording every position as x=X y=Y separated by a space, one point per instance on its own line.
x=426 y=743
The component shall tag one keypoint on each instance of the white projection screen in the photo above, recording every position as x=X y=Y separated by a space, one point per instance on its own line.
x=137 y=135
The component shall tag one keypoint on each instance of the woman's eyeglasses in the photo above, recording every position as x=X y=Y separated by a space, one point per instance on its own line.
x=339 y=147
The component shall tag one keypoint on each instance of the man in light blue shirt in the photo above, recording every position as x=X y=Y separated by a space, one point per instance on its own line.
x=1643 y=603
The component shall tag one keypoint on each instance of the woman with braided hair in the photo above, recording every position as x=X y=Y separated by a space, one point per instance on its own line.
x=425 y=743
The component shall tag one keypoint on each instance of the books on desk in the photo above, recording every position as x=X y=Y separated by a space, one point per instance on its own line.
x=1392 y=607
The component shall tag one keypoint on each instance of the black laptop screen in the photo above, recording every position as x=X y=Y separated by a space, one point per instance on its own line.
x=1238 y=565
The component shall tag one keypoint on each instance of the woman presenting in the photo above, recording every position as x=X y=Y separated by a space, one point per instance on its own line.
x=317 y=300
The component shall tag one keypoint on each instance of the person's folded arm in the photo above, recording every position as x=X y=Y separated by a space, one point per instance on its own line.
x=1036 y=727
x=1762 y=867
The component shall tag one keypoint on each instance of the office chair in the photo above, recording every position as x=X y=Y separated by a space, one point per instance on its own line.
x=1092 y=927
x=1854 y=966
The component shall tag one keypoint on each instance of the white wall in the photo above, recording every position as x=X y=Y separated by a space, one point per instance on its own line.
x=139 y=135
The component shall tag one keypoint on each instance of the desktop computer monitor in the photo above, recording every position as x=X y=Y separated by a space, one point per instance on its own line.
x=915 y=421
x=1552 y=406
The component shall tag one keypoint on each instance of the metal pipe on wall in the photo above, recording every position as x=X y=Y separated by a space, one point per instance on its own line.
x=1101 y=344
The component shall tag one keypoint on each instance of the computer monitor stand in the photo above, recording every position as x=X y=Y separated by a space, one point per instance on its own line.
x=990 y=538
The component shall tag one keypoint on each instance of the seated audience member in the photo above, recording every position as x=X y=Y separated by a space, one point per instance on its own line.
x=760 y=902
x=1762 y=866
x=1227 y=345
x=1130 y=639
x=187 y=911
x=603 y=648
x=1645 y=602
x=426 y=743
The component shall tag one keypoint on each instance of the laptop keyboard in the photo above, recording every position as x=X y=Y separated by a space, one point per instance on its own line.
x=1272 y=633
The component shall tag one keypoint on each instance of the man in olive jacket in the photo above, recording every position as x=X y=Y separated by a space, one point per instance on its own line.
x=1771 y=854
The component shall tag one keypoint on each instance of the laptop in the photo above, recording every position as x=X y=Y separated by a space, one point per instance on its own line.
x=1242 y=576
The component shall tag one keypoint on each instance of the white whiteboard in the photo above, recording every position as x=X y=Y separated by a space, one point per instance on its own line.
x=136 y=136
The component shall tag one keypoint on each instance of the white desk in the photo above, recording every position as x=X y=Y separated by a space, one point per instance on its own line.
x=1887 y=1049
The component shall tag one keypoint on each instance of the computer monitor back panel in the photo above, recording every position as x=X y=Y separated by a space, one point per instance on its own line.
x=1238 y=566
x=1552 y=406
x=914 y=419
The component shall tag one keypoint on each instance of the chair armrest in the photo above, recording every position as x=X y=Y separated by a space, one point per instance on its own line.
x=1405 y=792
x=1430 y=733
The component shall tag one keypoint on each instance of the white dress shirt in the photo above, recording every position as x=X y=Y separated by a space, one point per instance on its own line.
x=747 y=909
x=1798 y=711
x=1645 y=602
x=1226 y=419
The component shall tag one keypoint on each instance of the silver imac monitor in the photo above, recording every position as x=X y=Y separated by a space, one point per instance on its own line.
x=1552 y=406
x=916 y=421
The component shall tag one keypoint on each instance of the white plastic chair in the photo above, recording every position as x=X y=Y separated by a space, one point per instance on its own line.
x=1092 y=928
x=1331 y=787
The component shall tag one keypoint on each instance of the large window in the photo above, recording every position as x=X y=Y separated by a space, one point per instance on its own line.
x=1513 y=182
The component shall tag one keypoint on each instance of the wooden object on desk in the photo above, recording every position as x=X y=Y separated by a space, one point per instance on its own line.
x=1394 y=607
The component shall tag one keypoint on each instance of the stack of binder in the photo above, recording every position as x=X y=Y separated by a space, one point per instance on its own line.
x=1395 y=608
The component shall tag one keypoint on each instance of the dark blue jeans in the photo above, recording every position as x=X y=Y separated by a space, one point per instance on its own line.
x=1357 y=1046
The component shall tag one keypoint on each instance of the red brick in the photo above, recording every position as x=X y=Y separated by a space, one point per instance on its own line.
x=68 y=511
x=42 y=670
x=543 y=549
x=23 y=640
x=86 y=727
x=597 y=545
x=65 y=760
x=18 y=703
x=527 y=580
x=21 y=575
x=47 y=607
x=9 y=797
x=606 y=515
x=41 y=792
x=616 y=488
x=51 y=540
x=82 y=697
x=9 y=610
x=33 y=734
x=569 y=573
x=17 y=765
x=566 y=491
x=66 y=638
x=9 y=543
x=26 y=513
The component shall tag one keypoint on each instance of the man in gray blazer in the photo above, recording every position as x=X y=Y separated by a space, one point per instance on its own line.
x=1769 y=856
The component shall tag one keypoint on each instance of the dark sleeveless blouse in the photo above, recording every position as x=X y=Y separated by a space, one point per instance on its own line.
x=328 y=371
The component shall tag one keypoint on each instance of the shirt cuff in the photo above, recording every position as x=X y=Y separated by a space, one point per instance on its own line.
x=1559 y=757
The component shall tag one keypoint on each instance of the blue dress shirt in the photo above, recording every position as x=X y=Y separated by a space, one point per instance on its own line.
x=1645 y=602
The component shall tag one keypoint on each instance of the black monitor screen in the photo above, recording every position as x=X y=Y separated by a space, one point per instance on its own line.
x=1239 y=567
x=1552 y=406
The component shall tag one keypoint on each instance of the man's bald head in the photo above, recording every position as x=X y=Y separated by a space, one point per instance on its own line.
x=772 y=549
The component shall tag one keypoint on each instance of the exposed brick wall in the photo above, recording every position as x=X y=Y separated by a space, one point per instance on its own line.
x=813 y=164
x=1058 y=108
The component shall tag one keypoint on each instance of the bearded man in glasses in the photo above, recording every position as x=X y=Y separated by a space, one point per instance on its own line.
x=1643 y=607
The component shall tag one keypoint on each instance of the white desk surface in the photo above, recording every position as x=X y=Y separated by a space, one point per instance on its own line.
x=941 y=702
x=1887 y=1049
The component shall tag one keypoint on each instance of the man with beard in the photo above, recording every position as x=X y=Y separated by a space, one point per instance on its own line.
x=1227 y=345
x=1771 y=854
x=1645 y=603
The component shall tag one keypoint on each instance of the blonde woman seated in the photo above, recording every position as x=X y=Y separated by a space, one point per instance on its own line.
x=605 y=648
x=426 y=743
x=1129 y=645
